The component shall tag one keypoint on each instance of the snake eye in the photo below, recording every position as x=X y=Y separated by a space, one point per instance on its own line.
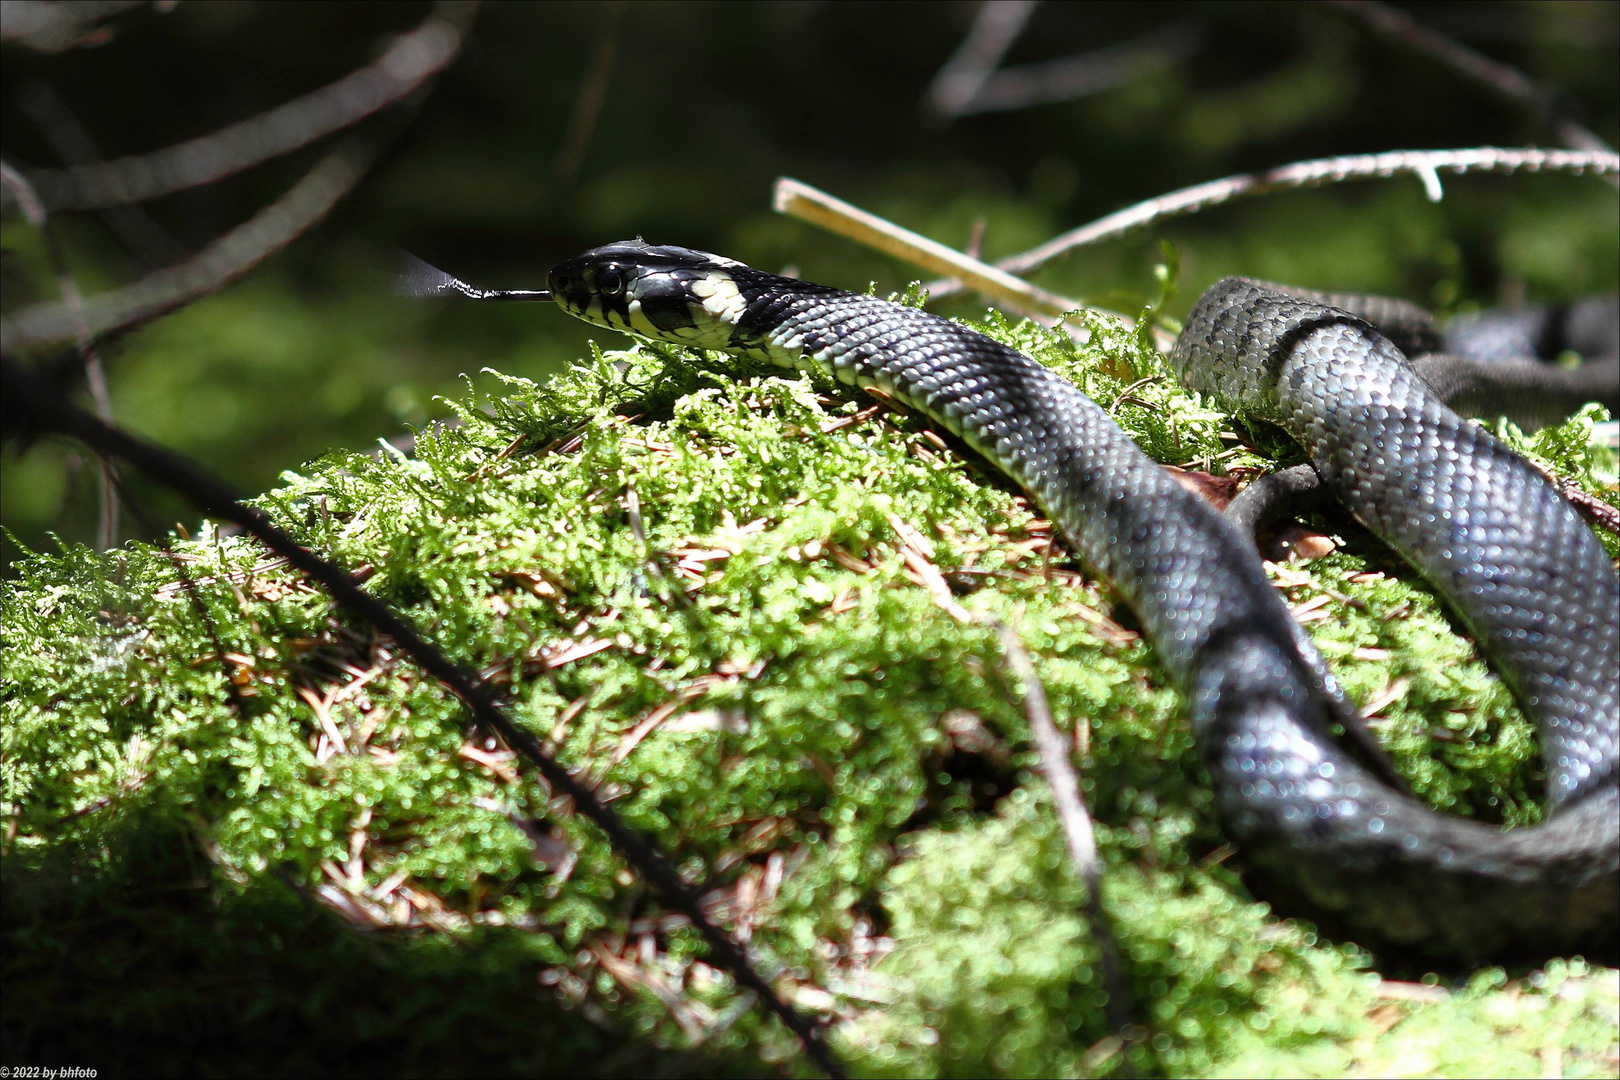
x=609 y=281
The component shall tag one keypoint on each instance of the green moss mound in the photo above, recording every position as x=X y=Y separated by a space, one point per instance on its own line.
x=758 y=616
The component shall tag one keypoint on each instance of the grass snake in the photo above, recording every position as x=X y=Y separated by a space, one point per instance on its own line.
x=1522 y=571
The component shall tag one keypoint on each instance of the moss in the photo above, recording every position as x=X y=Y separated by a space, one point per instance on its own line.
x=713 y=595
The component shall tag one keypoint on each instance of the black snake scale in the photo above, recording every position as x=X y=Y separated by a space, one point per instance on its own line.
x=1524 y=572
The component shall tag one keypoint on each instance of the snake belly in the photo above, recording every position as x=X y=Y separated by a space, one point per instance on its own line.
x=1261 y=705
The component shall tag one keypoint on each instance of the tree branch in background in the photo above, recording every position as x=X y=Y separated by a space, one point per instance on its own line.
x=1022 y=87
x=72 y=304
x=405 y=65
x=32 y=408
x=1426 y=164
x=593 y=90
x=958 y=82
x=220 y=263
x=1505 y=80
x=50 y=26
x=147 y=241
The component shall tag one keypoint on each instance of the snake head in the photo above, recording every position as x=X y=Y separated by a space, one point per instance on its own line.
x=664 y=293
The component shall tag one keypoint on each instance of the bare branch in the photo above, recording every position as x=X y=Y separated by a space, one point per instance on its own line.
x=222 y=262
x=592 y=92
x=57 y=27
x=1088 y=73
x=23 y=194
x=1426 y=164
x=994 y=29
x=405 y=65
x=31 y=405
x=1505 y=80
x=150 y=243
x=73 y=303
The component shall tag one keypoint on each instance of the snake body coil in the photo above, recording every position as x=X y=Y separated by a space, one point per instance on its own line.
x=1543 y=602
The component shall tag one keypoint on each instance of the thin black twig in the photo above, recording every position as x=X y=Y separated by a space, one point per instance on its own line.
x=39 y=409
